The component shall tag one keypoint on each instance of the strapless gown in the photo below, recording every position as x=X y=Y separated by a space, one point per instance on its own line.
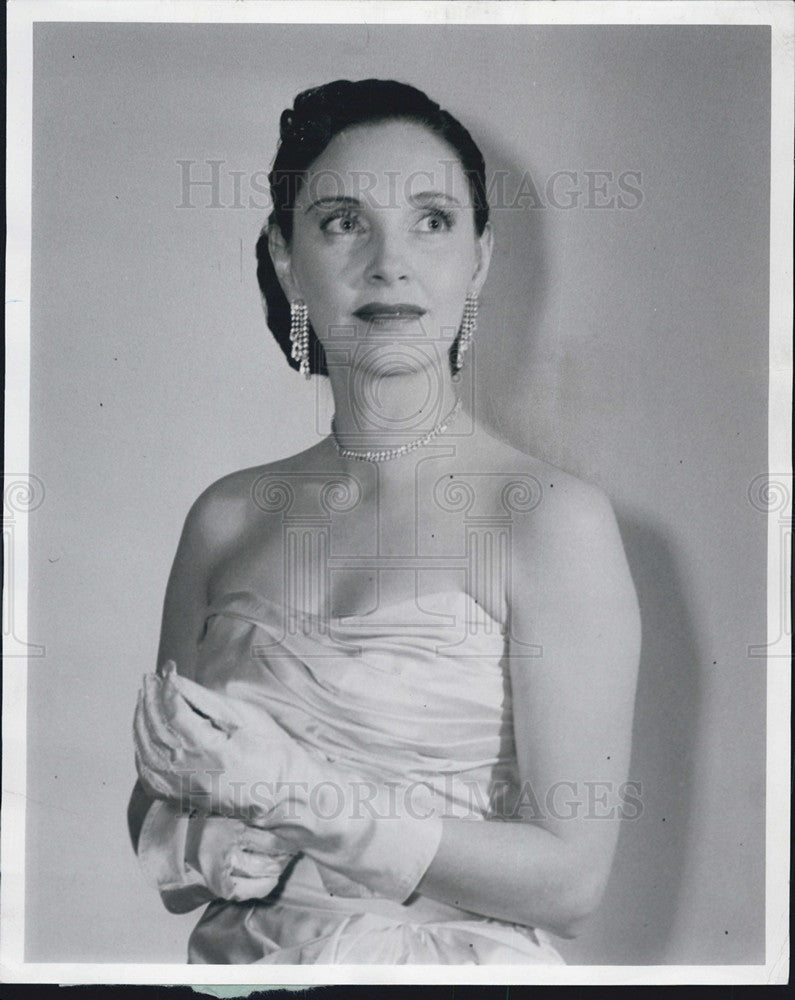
x=416 y=691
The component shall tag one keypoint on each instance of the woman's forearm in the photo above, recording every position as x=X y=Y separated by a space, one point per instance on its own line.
x=513 y=871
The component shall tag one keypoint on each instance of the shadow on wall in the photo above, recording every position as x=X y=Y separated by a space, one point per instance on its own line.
x=635 y=920
x=514 y=299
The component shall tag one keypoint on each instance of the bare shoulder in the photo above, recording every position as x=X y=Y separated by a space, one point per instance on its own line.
x=228 y=506
x=571 y=507
x=570 y=571
x=556 y=502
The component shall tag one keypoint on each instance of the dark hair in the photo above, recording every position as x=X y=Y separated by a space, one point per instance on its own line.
x=306 y=129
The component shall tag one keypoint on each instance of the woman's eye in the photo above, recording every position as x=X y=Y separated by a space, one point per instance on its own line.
x=341 y=224
x=437 y=221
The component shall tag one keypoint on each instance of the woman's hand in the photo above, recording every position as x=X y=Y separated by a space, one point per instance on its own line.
x=194 y=746
x=236 y=861
x=194 y=859
x=198 y=749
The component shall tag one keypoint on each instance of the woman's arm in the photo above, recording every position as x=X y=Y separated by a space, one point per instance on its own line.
x=209 y=527
x=195 y=858
x=573 y=702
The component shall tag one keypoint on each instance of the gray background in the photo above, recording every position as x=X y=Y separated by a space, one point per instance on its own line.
x=628 y=346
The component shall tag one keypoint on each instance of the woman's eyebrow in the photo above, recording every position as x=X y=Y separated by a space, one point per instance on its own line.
x=434 y=196
x=331 y=201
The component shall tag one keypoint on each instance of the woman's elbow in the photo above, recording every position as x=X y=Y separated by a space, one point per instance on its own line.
x=579 y=904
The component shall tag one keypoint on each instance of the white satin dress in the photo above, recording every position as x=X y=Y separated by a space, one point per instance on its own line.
x=416 y=691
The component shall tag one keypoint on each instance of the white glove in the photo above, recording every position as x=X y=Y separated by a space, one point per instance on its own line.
x=193 y=859
x=198 y=744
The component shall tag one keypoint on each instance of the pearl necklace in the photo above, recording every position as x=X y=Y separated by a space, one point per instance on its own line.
x=389 y=453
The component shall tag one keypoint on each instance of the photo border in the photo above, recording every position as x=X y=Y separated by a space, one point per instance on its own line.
x=22 y=14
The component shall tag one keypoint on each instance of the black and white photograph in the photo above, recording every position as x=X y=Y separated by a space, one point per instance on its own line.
x=398 y=493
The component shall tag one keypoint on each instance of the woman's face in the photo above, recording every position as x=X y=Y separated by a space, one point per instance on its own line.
x=384 y=249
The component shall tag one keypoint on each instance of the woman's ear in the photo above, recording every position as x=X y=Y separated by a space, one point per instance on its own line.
x=282 y=262
x=483 y=248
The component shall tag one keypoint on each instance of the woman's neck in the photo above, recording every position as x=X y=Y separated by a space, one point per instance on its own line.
x=382 y=412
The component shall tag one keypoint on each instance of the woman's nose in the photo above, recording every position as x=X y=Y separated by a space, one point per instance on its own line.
x=388 y=261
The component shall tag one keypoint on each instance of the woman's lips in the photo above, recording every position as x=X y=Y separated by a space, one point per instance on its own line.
x=379 y=312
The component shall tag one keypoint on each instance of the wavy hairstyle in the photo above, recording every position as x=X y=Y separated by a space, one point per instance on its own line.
x=306 y=129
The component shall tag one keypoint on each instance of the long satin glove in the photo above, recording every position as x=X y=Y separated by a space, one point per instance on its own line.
x=195 y=858
x=198 y=744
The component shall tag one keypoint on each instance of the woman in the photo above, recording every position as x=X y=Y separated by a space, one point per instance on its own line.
x=397 y=670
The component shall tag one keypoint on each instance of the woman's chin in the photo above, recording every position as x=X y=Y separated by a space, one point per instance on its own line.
x=397 y=362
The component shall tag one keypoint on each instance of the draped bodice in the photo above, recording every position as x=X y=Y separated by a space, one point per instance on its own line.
x=416 y=691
